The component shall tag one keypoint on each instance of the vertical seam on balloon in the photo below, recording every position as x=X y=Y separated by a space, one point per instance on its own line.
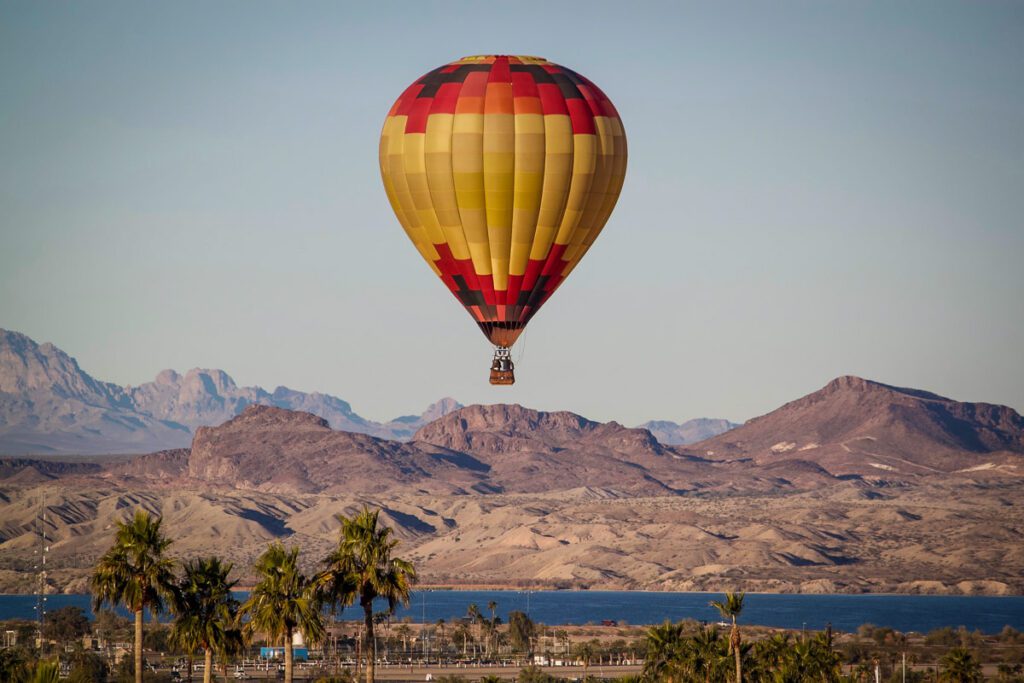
x=609 y=198
x=521 y=308
x=460 y=266
x=412 y=220
x=537 y=294
x=462 y=221
x=593 y=193
x=509 y=253
x=513 y=316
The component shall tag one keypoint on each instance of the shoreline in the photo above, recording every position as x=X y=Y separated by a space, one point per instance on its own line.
x=489 y=588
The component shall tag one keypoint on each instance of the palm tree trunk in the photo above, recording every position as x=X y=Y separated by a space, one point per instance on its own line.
x=208 y=665
x=734 y=640
x=138 y=646
x=369 y=648
x=190 y=662
x=288 y=657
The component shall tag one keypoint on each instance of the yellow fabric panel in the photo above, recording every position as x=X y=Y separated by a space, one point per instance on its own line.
x=468 y=179
x=528 y=186
x=584 y=162
x=416 y=177
x=499 y=185
x=605 y=190
x=618 y=177
x=598 y=187
x=397 y=188
x=441 y=182
x=558 y=148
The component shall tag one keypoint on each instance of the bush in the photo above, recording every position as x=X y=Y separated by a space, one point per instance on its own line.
x=14 y=663
x=65 y=624
x=1009 y=635
x=945 y=637
x=87 y=667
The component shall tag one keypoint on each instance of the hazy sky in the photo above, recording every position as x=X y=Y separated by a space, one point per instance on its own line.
x=814 y=189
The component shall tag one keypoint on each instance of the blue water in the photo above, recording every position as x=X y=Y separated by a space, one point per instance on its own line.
x=845 y=612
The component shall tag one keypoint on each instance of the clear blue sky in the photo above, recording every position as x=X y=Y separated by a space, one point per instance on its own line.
x=814 y=189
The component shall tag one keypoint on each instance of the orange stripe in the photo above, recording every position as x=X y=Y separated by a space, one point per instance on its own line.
x=528 y=105
x=499 y=99
x=469 y=105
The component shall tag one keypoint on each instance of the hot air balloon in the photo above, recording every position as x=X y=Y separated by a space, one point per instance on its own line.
x=502 y=170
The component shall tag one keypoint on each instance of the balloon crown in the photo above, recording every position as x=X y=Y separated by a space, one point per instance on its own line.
x=525 y=59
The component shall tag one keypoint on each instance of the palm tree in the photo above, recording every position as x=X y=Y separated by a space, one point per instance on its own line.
x=585 y=653
x=135 y=573
x=404 y=631
x=205 y=609
x=809 y=659
x=959 y=665
x=664 y=652
x=283 y=601
x=441 y=643
x=705 y=654
x=562 y=636
x=473 y=612
x=730 y=609
x=461 y=631
x=188 y=641
x=492 y=626
x=771 y=652
x=46 y=671
x=362 y=567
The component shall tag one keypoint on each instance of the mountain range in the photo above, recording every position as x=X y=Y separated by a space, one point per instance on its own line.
x=859 y=486
x=49 y=405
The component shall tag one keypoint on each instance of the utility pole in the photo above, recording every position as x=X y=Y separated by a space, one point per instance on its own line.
x=41 y=567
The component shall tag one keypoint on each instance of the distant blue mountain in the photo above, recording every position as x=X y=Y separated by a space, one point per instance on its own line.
x=48 y=404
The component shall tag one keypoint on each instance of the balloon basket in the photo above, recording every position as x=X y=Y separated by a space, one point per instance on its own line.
x=502 y=368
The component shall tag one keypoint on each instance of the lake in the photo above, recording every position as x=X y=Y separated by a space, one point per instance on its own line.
x=845 y=612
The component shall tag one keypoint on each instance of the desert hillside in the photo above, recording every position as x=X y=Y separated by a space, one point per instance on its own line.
x=856 y=487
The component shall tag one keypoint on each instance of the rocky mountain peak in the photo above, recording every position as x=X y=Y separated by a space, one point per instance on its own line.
x=259 y=417
x=167 y=377
x=440 y=408
x=511 y=428
x=854 y=384
x=27 y=367
x=855 y=425
x=199 y=381
x=506 y=419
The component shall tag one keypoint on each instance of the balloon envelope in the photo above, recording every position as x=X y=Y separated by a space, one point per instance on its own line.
x=502 y=170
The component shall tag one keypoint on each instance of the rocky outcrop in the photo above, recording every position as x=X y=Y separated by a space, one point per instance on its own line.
x=858 y=426
x=272 y=449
